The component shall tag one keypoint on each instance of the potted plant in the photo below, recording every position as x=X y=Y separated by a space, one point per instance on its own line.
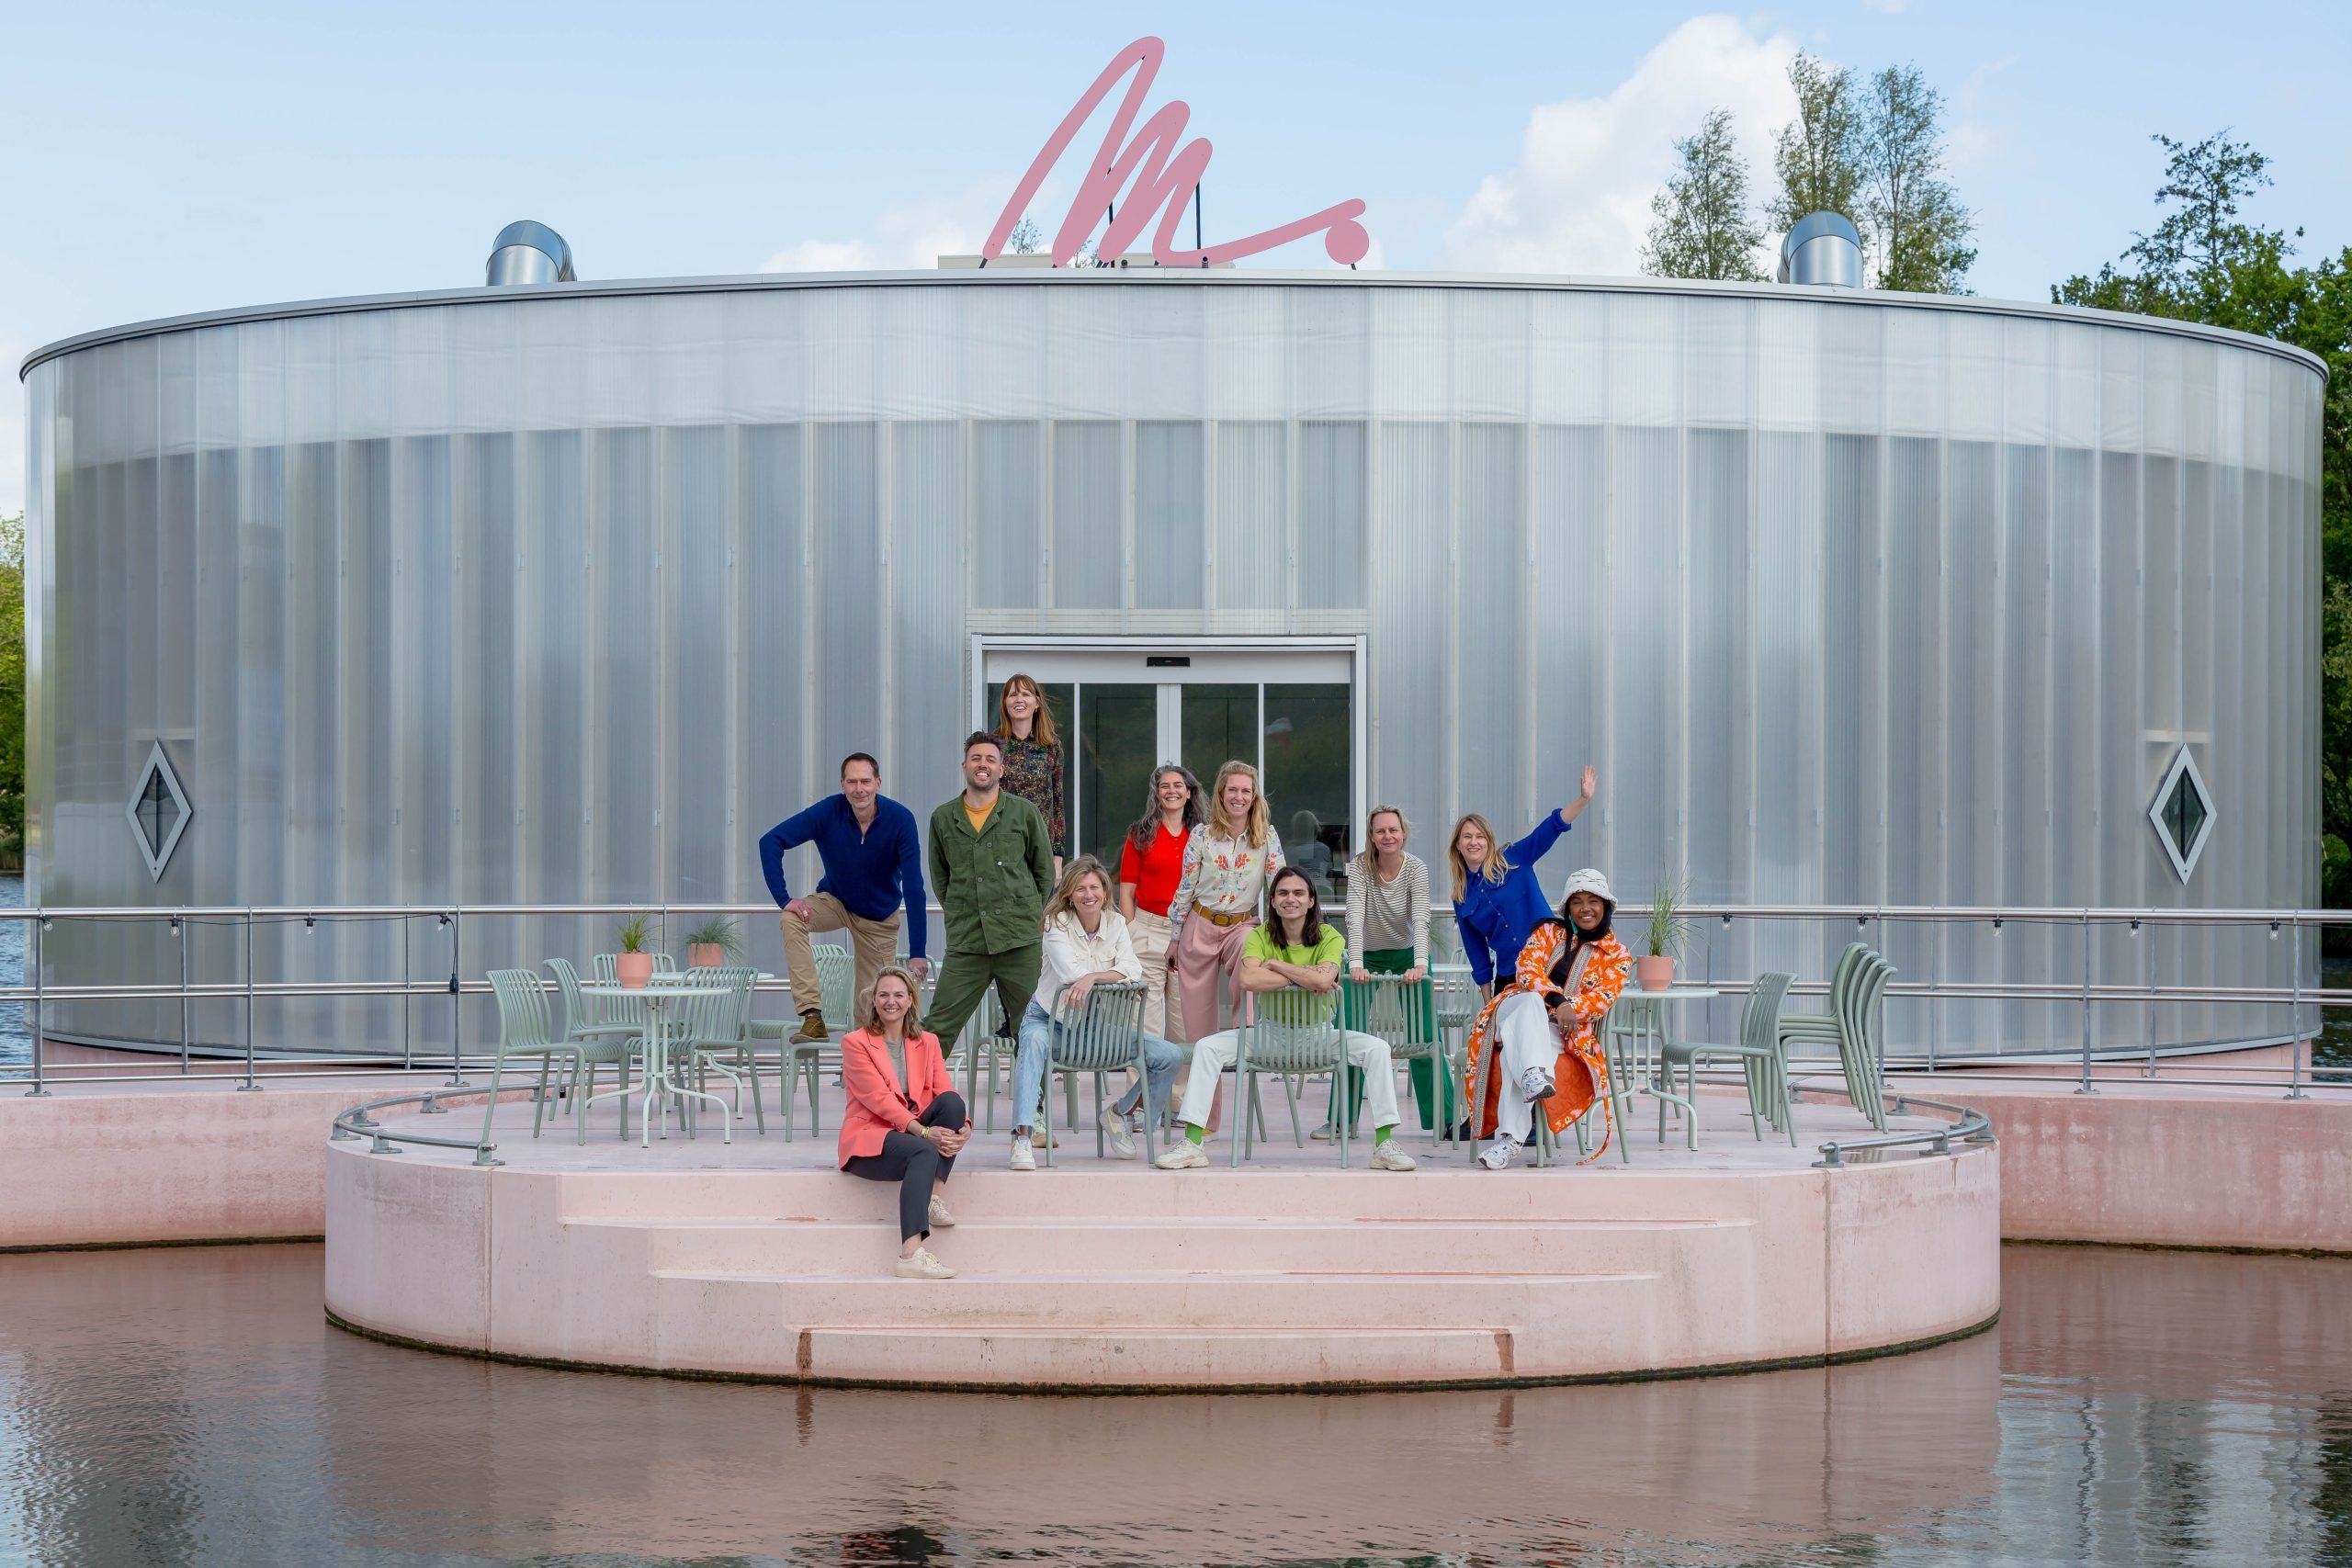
x=634 y=966
x=1668 y=929
x=711 y=945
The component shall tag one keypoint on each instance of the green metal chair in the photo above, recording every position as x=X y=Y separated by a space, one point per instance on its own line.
x=1819 y=1030
x=1862 y=1049
x=525 y=1029
x=1106 y=1037
x=1301 y=1036
x=1759 y=1050
x=836 y=994
x=1403 y=1013
x=601 y=1039
x=728 y=1048
x=1634 y=1040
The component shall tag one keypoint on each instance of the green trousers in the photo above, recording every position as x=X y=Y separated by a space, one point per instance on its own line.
x=1395 y=961
x=965 y=979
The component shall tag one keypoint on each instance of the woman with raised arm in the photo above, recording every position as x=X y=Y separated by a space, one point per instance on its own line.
x=1227 y=864
x=1497 y=902
x=1087 y=945
x=1150 y=864
x=1032 y=755
x=1388 y=933
x=1539 y=1037
x=1295 y=953
x=903 y=1124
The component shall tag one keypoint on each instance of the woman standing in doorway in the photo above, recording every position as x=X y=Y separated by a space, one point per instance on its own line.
x=1217 y=902
x=1497 y=903
x=1151 y=863
x=1032 y=755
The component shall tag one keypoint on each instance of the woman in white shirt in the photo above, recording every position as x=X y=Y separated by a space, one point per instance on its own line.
x=1086 y=945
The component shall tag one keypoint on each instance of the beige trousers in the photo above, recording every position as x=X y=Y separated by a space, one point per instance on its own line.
x=874 y=942
x=1163 y=1000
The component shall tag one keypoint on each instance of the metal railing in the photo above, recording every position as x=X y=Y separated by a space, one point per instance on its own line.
x=356 y=1123
x=2089 y=993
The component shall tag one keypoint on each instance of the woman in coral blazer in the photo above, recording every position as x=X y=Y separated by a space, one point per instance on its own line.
x=904 y=1123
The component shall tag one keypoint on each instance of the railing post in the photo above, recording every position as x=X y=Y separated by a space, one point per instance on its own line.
x=180 y=929
x=457 y=1002
x=2085 y=1086
x=38 y=1091
x=250 y=1084
x=2295 y=1015
x=408 y=1002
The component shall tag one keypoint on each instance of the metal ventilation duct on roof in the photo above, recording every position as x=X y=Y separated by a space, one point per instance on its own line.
x=525 y=252
x=1823 y=249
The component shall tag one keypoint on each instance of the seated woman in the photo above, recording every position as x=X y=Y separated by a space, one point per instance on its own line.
x=1293 y=950
x=1086 y=945
x=1541 y=1027
x=903 y=1124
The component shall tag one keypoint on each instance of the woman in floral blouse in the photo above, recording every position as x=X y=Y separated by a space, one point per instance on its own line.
x=1032 y=755
x=1228 y=862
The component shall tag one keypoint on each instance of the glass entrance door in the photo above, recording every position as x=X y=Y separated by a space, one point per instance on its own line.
x=1121 y=711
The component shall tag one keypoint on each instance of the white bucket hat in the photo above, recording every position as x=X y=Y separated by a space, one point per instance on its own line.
x=1587 y=881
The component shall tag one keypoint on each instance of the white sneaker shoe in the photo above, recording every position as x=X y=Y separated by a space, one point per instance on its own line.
x=1024 y=1155
x=941 y=1218
x=1388 y=1156
x=1122 y=1142
x=1186 y=1156
x=1535 y=1084
x=924 y=1265
x=1497 y=1155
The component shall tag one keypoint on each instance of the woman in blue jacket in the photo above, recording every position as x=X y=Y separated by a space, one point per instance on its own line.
x=1497 y=900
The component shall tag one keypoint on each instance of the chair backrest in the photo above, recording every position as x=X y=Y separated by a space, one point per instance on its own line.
x=1395 y=1009
x=729 y=1016
x=523 y=1021
x=1295 y=1030
x=608 y=966
x=836 y=985
x=1842 y=973
x=577 y=1012
x=1760 y=1023
x=1107 y=1033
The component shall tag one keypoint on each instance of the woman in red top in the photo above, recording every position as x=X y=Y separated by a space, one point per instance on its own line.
x=1150 y=866
x=904 y=1123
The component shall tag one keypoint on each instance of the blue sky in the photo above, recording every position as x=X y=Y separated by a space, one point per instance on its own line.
x=169 y=159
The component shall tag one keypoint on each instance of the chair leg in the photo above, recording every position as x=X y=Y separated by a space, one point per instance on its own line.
x=539 y=1095
x=1044 y=1114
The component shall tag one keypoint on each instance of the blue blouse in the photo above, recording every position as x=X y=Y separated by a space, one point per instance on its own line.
x=1497 y=917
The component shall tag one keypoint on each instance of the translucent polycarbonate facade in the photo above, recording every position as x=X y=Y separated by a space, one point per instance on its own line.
x=566 y=595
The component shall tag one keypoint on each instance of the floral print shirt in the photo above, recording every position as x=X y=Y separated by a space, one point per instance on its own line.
x=1034 y=772
x=1224 y=876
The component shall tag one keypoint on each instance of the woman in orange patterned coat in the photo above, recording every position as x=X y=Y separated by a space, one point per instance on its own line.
x=1541 y=1029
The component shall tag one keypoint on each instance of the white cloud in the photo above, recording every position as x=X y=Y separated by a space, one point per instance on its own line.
x=1579 y=199
x=917 y=235
x=13 y=347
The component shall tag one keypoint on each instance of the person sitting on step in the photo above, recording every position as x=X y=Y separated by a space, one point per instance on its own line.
x=1086 y=945
x=1292 y=951
x=1538 y=1036
x=903 y=1123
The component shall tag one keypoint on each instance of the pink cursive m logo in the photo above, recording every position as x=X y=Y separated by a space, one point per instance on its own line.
x=1165 y=177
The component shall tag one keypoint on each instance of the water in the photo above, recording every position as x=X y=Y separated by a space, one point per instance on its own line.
x=190 y=1406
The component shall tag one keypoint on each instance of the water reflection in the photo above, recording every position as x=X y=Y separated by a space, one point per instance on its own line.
x=189 y=1406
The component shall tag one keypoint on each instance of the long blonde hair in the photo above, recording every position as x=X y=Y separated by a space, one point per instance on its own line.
x=1084 y=865
x=1369 y=858
x=1041 y=728
x=1260 y=823
x=872 y=1021
x=1498 y=864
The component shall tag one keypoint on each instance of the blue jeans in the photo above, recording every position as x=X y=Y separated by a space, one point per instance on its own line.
x=1038 y=1032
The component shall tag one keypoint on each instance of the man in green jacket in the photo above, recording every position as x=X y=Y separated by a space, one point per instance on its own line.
x=993 y=869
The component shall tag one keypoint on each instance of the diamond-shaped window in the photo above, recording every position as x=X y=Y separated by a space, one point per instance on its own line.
x=2183 y=813
x=158 y=812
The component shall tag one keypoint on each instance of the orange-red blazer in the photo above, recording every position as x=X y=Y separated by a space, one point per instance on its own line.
x=878 y=1103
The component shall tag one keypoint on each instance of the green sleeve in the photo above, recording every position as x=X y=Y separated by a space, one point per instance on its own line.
x=1332 y=947
x=1041 y=853
x=938 y=859
x=1256 y=945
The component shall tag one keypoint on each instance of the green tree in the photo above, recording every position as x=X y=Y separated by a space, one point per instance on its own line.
x=12 y=684
x=1704 y=227
x=1818 y=154
x=1918 y=229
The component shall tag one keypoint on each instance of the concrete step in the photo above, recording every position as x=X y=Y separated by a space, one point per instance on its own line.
x=1274 y=1356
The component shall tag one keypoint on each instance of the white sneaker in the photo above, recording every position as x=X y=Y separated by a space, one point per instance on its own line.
x=941 y=1219
x=1321 y=1134
x=1023 y=1156
x=1535 y=1084
x=924 y=1265
x=1388 y=1156
x=1122 y=1142
x=1497 y=1155
x=1186 y=1156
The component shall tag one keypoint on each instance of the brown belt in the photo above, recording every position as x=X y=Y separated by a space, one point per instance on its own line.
x=1213 y=917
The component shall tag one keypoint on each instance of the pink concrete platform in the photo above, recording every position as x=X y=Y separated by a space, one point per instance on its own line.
x=759 y=1259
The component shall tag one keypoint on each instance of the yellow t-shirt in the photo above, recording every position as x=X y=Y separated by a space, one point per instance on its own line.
x=979 y=819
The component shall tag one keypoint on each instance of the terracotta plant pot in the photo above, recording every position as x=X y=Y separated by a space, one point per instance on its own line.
x=706 y=956
x=633 y=969
x=1654 y=973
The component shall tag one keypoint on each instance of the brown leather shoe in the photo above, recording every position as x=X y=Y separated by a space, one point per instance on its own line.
x=813 y=1030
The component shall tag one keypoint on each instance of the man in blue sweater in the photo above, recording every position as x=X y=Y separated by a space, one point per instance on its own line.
x=873 y=857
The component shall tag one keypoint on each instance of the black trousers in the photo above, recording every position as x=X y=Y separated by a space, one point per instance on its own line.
x=915 y=1163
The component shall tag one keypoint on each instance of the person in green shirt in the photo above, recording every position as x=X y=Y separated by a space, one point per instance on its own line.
x=992 y=868
x=1295 y=957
